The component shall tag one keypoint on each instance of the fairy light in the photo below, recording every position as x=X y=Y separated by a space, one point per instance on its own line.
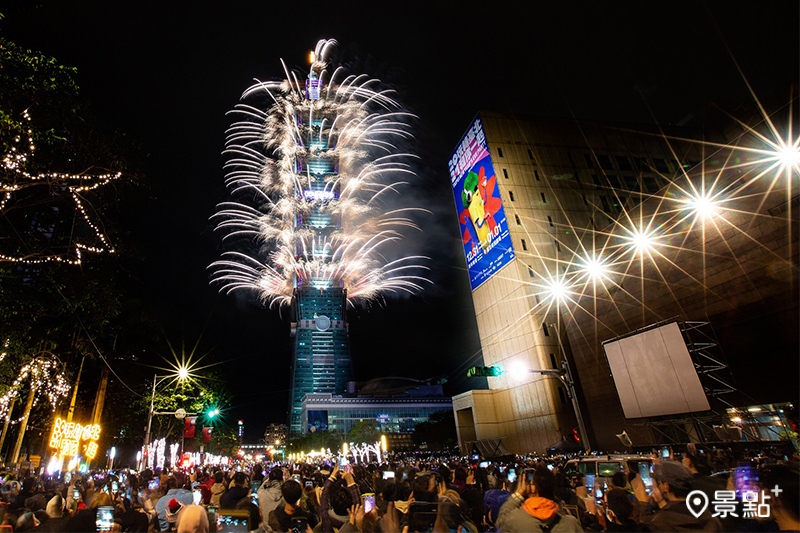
x=15 y=161
x=47 y=380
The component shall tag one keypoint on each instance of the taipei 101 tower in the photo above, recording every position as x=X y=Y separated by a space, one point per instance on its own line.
x=315 y=178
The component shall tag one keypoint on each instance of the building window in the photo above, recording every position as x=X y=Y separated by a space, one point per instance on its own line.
x=550 y=220
x=511 y=195
x=553 y=361
x=661 y=165
x=585 y=201
x=524 y=244
x=516 y=217
x=589 y=160
x=604 y=201
x=536 y=175
x=562 y=395
x=505 y=173
x=605 y=162
x=545 y=330
x=558 y=246
x=537 y=298
x=543 y=198
x=499 y=152
x=623 y=162
x=596 y=180
x=531 y=273
x=530 y=154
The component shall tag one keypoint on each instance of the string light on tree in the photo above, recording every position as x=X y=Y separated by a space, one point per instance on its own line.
x=74 y=185
x=45 y=376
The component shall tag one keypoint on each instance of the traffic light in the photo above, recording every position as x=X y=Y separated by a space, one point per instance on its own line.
x=484 y=371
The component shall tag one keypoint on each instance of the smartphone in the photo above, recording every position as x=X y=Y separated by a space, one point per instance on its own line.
x=153 y=485
x=114 y=487
x=550 y=467
x=647 y=481
x=299 y=524
x=343 y=462
x=665 y=453
x=405 y=475
x=388 y=474
x=512 y=475
x=484 y=464
x=529 y=475
x=745 y=479
x=68 y=478
x=589 y=481
x=369 y=502
x=476 y=457
x=598 y=493
x=76 y=494
x=105 y=518
x=197 y=496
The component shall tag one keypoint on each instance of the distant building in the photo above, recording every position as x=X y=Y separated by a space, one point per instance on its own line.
x=275 y=434
x=396 y=404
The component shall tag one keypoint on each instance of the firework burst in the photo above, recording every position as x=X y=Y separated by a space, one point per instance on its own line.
x=314 y=170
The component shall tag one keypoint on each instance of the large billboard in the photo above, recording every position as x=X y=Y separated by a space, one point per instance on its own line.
x=654 y=373
x=484 y=228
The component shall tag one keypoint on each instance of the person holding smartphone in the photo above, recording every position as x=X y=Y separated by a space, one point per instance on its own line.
x=339 y=492
x=284 y=517
x=532 y=507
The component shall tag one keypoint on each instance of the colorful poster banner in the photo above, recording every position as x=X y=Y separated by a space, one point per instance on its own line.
x=484 y=228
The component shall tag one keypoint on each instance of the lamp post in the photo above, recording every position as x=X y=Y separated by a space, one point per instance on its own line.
x=181 y=375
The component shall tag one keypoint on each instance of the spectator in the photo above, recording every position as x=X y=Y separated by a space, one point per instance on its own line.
x=281 y=518
x=269 y=493
x=673 y=482
x=237 y=492
x=217 y=489
x=181 y=496
x=532 y=507
x=193 y=519
x=336 y=500
x=619 y=511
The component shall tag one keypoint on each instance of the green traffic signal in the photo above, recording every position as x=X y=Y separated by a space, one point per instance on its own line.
x=484 y=371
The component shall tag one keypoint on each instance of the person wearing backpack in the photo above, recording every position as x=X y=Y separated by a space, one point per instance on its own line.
x=532 y=507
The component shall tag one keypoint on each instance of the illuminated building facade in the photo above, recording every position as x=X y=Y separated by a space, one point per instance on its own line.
x=396 y=404
x=561 y=182
x=321 y=352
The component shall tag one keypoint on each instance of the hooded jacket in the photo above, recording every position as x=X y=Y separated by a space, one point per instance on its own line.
x=534 y=514
x=269 y=496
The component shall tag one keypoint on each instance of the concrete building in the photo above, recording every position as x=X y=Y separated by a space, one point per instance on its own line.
x=561 y=182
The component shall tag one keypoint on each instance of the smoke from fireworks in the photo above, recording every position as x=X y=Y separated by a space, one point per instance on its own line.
x=311 y=172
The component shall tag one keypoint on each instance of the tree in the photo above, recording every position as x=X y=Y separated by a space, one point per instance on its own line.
x=365 y=431
x=60 y=288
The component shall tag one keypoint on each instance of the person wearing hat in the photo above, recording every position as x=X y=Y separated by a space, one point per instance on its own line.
x=673 y=483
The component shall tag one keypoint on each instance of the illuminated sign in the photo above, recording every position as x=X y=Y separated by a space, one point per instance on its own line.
x=484 y=228
x=318 y=195
x=67 y=436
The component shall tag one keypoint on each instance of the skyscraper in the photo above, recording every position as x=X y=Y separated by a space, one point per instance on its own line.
x=312 y=169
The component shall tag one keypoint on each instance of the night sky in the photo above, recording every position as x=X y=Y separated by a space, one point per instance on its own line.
x=165 y=74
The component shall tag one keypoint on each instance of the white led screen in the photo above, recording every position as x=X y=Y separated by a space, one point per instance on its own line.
x=654 y=373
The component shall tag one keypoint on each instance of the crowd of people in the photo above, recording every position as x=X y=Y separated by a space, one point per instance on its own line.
x=406 y=493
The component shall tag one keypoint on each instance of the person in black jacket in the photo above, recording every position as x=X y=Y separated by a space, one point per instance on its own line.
x=284 y=516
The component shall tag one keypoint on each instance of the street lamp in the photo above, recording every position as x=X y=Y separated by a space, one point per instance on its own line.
x=181 y=376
